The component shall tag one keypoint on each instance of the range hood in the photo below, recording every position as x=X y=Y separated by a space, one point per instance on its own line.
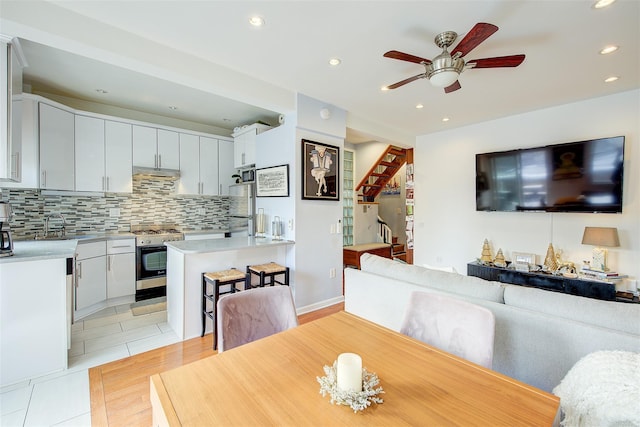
x=156 y=173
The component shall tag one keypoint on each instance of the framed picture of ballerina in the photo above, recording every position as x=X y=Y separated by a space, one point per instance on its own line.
x=320 y=171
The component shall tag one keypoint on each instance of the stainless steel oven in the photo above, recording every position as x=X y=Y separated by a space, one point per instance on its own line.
x=151 y=260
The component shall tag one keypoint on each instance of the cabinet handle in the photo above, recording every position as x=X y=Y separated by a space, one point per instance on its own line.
x=159 y=161
x=243 y=158
x=220 y=192
x=107 y=183
x=109 y=259
x=155 y=160
x=44 y=178
x=103 y=184
x=79 y=273
x=16 y=170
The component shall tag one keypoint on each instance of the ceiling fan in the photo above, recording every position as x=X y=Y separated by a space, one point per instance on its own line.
x=444 y=69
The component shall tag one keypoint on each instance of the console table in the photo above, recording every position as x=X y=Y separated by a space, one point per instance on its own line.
x=578 y=286
x=351 y=254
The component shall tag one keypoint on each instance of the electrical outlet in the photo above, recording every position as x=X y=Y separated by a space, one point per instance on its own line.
x=114 y=212
x=332 y=273
x=332 y=229
x=290 y=224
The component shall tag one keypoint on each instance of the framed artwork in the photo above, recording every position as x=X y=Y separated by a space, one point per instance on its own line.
x=523 y=258
x=272 y=181
x=320 y=171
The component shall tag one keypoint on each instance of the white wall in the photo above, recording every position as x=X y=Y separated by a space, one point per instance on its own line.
x=317 y=251
x=449 y=231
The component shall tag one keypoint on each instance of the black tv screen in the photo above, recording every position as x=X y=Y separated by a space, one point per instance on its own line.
x=584 y=176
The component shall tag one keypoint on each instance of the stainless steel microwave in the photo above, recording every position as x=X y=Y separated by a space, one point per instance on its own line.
x=248 y=175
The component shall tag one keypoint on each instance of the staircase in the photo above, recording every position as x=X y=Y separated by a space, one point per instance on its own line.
x=384 y=235
x=391 y=160
x=397 y=250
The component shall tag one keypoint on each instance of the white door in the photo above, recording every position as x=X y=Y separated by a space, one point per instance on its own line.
x=189 y=169
x=209 y=166
x=56 y=148
x=168 y=150
x=119 y=157
x=121 y=275
x=145 y=146
x=226 y=167
x=89 y=149
x=91 y=286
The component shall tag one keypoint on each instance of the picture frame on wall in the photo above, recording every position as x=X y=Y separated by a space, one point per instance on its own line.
x=320 y=171
x=272 y=181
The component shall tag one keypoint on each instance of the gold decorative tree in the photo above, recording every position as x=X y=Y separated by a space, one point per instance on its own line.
x=486 y=257
x=499 y=261
x=550 y=260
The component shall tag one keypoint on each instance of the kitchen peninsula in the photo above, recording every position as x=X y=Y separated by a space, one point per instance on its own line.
x=187 y=260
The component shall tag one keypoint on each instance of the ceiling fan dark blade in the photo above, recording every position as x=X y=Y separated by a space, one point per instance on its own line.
x=451 y=88
x=479 y=33
x=405 y=81
x=394 y=54
x=499 y=61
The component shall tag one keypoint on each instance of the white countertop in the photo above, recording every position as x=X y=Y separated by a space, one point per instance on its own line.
x=220 y=245
x=33 y=250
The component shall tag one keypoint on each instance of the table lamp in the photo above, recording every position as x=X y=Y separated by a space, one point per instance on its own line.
x=599 y=237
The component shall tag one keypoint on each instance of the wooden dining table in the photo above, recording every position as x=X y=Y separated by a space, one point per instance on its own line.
x=273 y=381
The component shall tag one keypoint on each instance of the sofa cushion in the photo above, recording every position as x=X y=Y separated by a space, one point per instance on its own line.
x=445 y=281
x=606 y=314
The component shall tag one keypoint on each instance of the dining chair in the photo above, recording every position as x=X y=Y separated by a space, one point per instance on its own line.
x=247 y=316
x=456 y=326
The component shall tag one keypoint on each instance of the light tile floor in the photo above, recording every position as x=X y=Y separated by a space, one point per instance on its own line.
x=62 y=398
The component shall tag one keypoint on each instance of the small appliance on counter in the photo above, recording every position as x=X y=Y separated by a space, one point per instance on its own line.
x=242 y=206
x=6 y=242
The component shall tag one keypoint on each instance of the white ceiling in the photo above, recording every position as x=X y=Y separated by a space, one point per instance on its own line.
x=561 y=41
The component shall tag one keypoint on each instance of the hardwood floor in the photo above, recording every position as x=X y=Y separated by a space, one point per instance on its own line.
x=120 y=389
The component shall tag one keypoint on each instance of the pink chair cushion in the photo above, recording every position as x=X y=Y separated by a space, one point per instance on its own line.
x=456 y=326
x=249 y=315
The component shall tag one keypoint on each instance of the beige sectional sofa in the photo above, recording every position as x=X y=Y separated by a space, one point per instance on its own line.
x=539 y=335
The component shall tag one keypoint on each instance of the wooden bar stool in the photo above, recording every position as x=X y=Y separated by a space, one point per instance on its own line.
x=269 y=270
x=217 y=280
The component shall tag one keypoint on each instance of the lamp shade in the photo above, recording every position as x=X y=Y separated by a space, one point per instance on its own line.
x=444 y=78
x=601 y=236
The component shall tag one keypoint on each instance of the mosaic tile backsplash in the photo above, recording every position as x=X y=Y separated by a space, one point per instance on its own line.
x=153 y=201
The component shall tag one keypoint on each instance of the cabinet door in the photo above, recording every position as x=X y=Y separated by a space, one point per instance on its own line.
x=189 y=169
x=118 y=157
x=28 y=161
x=91 y=285
x=145 y=143
x=89 y=149
x=121 y=275
x=56 y=148
x=168 y=149
x=209 y=166
x=225 y=166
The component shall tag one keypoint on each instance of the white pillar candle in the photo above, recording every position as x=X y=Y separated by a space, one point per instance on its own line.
x=349 y=372
x=260 y=224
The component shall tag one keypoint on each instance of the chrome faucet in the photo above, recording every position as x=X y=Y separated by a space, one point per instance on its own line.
x=46 y=224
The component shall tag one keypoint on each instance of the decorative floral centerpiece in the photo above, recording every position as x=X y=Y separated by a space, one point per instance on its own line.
x=357 y=400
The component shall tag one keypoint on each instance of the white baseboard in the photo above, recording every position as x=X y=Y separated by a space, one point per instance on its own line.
x=319 y=305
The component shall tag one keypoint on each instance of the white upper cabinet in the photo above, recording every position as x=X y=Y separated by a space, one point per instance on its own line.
x=89 y=158
x=56 y=148
x=168 y=149
x=118 y=157
x=244 y=141
x=28 y=161
x=225 y=166
x=189 y=164
x=198 y=165
x=145 y=146
x=155 y=148
x=103 y=155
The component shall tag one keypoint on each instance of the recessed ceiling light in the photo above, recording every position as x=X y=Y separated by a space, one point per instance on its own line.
x=172 y=107
x=609 y=49
x=256 y=21
x=102 y=91
x=419 y=106
x=445 y=119
x=611 y=79
x=334 y=62
x=602 y=3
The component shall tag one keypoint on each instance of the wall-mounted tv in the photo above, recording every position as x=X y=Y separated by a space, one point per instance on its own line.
x=584 y=176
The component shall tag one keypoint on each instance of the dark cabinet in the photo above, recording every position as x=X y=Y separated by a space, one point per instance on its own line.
x=580 y=287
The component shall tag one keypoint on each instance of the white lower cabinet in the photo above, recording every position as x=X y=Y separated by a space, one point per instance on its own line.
x=121 y=268
x=91 y=275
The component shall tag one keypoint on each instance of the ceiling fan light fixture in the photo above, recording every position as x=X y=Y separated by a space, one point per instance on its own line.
x=443 y=77
x=602 y=3
x=611 y=79
x=608 y=49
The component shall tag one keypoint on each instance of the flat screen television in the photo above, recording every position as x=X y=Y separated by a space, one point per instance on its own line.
x=584 y=176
